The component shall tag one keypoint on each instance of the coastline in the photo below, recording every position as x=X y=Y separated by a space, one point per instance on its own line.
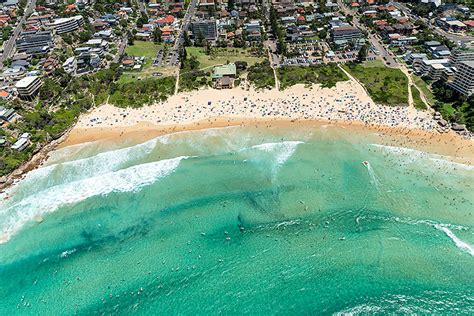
x=347 y=105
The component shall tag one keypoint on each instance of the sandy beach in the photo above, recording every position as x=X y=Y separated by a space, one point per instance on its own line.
x=346 y=105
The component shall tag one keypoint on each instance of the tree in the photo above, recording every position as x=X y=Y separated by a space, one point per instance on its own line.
x=157 y=35
x=200 y=40
x=187 y=41
x=230 y=5
x=362 y=55
x=193 y=62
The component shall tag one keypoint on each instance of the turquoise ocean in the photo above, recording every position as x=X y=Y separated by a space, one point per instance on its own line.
x=253 y=220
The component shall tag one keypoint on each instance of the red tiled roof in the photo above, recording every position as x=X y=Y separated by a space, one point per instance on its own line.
x=469 y=23
x=4 y=94
x=168 y=19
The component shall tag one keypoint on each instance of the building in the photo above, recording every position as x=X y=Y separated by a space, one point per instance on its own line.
x=344 y=35
x=66 y=25
x=7 y=115
x=464 y=78
x=228 y=70
x=70 y=65
x=432 y=69
x=451 y=24
x=22 y=142
x=28 y=87
x=440 y=51
x=34 y=42
x=204 y=28
x=460 y=55
x=437 y=3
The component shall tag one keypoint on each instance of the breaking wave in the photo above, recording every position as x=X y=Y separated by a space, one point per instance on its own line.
x=412 y=155
x=282 y=151
x=131 y=179
x=464 y=246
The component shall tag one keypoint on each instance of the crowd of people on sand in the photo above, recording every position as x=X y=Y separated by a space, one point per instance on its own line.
x=346 y=102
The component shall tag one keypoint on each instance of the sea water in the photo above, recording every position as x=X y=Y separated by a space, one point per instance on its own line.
x=240 y=220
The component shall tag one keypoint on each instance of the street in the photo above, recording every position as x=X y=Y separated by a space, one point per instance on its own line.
x=387 y=56
x=174 y=52
x=9 y=45
x=456 y=38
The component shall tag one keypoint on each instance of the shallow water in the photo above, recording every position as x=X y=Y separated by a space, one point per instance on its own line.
x=240 y=220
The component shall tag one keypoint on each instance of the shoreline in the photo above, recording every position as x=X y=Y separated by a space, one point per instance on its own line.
x=448 y=144
x=346 y=105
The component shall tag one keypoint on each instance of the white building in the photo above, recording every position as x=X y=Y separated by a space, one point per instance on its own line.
x=70 y=65
x=28 y=87
x=431 y=68
x=22 y=142
x=436 y=2
x=464 y=79
x=66 y=25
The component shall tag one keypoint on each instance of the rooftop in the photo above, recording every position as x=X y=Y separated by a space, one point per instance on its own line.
x=25 y=82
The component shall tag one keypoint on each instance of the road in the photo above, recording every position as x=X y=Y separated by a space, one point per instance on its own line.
x=456 y=38
x=387 y=56
x=174 y=52
x=121 y=49
x=9 y=45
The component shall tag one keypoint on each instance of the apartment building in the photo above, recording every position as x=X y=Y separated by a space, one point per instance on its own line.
x=432 y=68
x=460 y=55
x=464 y=79
x=28 y=87
x=66 y=25
x=34 y=42
x=344 y=35
x=205 y=28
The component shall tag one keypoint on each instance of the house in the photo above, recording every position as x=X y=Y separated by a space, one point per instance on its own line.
x=22 y=143
x=451 y=24
x=5 y=95
x=224 y=83
x=440 y=51
x=97 y=43
x=50 y=65
x=7 y=115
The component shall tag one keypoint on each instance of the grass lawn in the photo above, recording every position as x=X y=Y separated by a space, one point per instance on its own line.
x=149 y=51
x=374 y=63
x=220 y=56
x=385 y=85
x=417 y=101
x=326 y=75
x=142 y=48
x=146 y=73
x=424 y=87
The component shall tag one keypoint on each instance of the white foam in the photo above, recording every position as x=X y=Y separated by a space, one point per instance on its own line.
x=452 y=164
x=131 y=179
x=282 y=150
x=458 y=242
x=413 y=155
x=74 y=170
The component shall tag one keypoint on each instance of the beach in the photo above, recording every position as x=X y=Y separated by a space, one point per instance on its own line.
x=346 y=105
